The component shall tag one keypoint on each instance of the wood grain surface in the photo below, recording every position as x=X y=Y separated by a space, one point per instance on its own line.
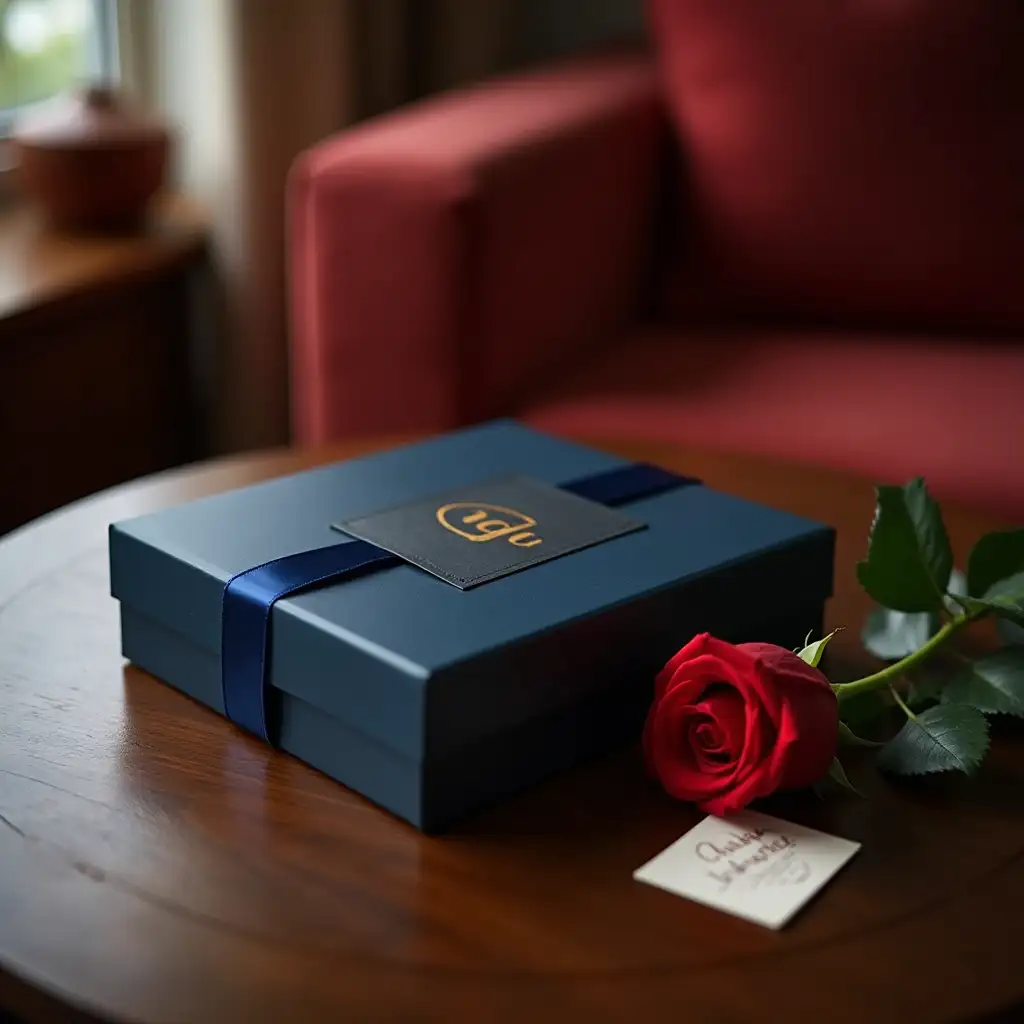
x=40 y=267
x=157 y=865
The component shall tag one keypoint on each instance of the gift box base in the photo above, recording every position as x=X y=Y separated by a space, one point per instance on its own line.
x=434 y=793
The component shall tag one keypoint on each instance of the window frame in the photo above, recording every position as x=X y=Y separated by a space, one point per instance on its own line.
x=106 y=60
x=110 y=18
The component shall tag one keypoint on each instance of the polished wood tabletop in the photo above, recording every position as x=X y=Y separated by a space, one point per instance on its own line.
x=158 y=865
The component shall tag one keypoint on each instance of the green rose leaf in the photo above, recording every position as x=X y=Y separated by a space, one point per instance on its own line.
x=1010 y=632
x=909 y=559
x=893 y=635
x=995 y=557
x=993 y=684
x=957 y=587
x=812 y=653
x=848 y=738
x=1005 y=598
x=837 y=774
x=947 y=737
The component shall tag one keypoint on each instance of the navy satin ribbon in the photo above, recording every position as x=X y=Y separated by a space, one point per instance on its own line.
x=630 y=483
x=249 y=596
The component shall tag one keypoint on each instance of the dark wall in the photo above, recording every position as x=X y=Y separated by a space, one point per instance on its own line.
x=547 y=29
x=439 y=44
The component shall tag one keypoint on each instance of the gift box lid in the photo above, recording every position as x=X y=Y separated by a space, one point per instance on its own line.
x=411 y=660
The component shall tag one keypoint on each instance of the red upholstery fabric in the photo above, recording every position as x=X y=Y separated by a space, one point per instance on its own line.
x=857 y=161
x=845 y=163
x=445 y=257
x=886 y=407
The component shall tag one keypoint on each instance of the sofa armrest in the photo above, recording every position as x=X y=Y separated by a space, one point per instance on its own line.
x=445 y=257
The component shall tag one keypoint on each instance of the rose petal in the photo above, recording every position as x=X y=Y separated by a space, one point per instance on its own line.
x=733 y=655
x=709 y=743
x=706 y=742
x=676 y=763
x=733 y=723
x=709 y=736
x=807 y=743
x=780 y=667
x=686 y=653
x=726 y=707
x=707 y=645
x=682 y=776
x=735 y=796
x=759 y=737
x=808 y=732
x=751 y=779
x=742 y=673
x=670 y=748
x=696 y=675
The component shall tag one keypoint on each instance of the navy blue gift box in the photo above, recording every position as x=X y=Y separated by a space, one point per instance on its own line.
x=428 y=690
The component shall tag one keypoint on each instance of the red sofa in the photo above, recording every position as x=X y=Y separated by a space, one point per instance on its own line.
x=796 y=229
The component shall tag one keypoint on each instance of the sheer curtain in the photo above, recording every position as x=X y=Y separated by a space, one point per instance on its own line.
x=249 y=84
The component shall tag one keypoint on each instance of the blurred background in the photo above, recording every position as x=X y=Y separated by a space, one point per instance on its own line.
x=126 y=350
x=793 y=230
x=46 y=47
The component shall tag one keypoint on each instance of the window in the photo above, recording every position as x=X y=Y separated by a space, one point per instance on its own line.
x=50 y=46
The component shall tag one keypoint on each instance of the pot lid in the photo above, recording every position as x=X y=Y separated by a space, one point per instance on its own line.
x=94 y=117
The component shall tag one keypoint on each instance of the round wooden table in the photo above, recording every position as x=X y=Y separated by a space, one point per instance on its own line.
x=158 y=865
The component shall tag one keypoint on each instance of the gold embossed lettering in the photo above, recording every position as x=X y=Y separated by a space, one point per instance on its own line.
x=478 y=522
x=525 y=540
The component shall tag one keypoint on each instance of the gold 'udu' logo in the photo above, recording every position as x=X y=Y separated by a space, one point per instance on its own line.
x=478 y=522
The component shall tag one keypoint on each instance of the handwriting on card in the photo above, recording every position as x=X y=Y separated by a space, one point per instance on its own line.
x=758 y=857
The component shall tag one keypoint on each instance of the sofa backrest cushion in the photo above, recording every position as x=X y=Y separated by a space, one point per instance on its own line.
x=849 y=159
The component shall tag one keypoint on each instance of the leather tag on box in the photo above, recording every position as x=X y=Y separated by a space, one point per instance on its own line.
x=484 y=531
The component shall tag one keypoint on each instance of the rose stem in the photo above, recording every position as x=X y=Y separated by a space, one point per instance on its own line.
x=884 y=677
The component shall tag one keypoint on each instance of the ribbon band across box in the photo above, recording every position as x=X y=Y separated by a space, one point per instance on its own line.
x=249 y=596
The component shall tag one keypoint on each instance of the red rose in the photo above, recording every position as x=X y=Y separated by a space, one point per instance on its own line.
x=733 y=723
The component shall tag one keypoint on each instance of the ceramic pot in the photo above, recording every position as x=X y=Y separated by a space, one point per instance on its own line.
x=90 y=161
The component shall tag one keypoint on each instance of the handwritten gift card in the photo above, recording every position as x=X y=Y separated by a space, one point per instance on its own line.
x=751 y=865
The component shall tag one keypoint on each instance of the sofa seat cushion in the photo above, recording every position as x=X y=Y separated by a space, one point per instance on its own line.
x=884 y=407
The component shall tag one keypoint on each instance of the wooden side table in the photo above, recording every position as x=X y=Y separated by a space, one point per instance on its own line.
x=157 y=864
x=94 y=364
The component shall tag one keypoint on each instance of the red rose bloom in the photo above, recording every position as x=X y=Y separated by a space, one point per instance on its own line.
x=731 y=723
